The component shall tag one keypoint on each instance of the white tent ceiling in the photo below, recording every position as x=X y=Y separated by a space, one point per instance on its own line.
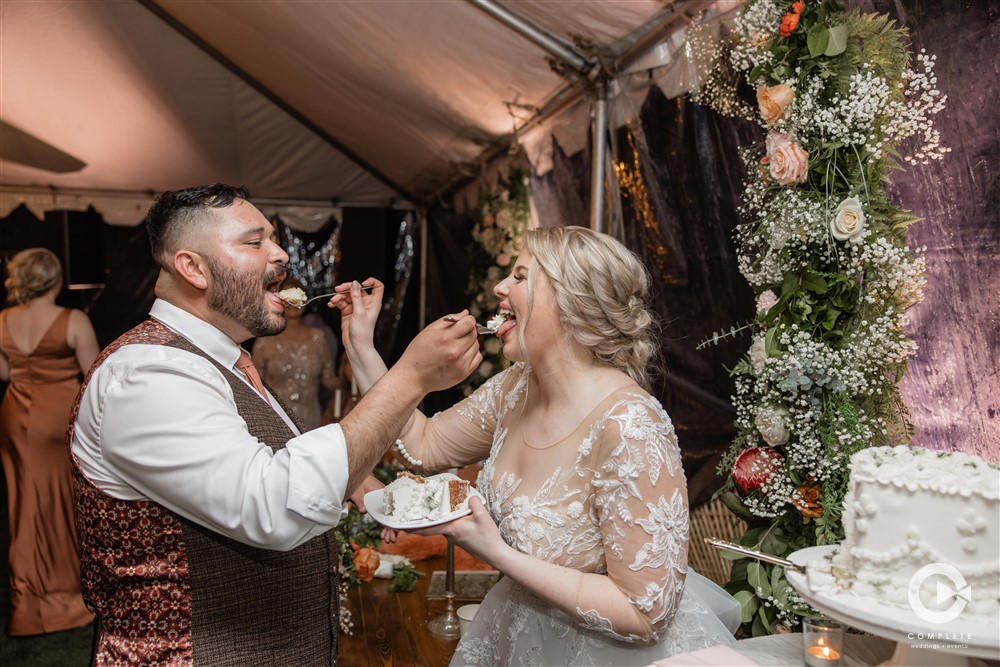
x=369 y=102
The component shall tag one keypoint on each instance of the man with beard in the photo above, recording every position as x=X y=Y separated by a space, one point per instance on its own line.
x=203 y=511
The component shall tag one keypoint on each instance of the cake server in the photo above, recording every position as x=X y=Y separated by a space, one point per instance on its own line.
x=752 y=553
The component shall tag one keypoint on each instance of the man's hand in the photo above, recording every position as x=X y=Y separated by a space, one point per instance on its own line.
x=443 y=354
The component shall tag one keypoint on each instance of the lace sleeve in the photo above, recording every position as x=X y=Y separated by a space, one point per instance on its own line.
x=641 y=504
x=463 y=434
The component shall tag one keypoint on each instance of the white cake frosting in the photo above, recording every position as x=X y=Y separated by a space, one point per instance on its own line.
x=909 y=507
x=410 y=498
x=293 y=295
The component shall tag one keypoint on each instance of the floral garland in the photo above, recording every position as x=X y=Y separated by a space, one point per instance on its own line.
x=501 y=219
x=825 y=252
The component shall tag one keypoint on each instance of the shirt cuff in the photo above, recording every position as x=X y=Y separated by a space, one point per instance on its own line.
x=318 y=475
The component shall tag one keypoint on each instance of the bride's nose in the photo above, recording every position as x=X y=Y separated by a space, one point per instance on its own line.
x=502 y=287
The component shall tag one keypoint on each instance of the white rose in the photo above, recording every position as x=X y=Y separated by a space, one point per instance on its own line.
x=848 y=223
x=758 y=353
x=773 y=425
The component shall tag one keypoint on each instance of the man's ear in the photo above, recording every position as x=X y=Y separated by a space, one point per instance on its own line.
x=192 y=268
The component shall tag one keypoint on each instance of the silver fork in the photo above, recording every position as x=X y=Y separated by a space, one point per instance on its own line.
x=364 y=288
x=480 y=329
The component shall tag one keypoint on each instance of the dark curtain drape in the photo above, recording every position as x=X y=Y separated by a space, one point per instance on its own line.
x=691 y=178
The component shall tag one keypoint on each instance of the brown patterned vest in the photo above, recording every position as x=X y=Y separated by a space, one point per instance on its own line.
x=170 y=592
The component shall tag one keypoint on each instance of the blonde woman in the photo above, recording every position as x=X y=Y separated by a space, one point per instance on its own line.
x=44 y=350
x=585 y=498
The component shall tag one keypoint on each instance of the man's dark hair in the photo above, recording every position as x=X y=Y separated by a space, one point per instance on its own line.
x=176 y=209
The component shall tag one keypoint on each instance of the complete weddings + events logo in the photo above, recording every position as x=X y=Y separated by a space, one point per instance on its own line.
x=949 y=588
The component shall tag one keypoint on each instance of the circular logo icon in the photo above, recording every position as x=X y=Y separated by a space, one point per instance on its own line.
x=949 y=585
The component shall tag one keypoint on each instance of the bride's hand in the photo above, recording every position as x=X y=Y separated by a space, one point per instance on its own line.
x=476 y=533
x=358 y=311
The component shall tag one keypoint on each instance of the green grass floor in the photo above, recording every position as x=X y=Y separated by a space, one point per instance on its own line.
x=60 y=649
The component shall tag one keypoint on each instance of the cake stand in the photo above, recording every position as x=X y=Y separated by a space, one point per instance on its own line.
x=956 y=643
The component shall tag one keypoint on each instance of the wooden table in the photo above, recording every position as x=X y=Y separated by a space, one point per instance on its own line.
x=390 y=629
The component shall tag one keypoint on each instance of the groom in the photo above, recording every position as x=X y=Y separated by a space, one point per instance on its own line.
x=203 y=511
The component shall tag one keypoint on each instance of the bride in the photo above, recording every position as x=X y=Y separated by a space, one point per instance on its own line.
x=585 y=507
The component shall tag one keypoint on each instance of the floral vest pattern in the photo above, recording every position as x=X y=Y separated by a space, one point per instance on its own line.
x=170 y=592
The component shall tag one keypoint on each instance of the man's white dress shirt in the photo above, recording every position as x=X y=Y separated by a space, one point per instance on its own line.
x=161 y=424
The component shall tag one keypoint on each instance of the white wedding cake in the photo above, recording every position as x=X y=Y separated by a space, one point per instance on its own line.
x=907 y=508
x=410 y=498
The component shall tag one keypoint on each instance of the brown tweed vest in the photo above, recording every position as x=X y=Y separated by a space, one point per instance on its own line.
x=170 y=592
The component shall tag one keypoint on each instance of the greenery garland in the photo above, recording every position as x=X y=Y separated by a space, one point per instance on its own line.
x=825 y=250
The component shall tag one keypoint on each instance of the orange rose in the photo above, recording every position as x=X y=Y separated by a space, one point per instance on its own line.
x=807 y=502
x=789 y=23
x=773 y=101
x=365 y=563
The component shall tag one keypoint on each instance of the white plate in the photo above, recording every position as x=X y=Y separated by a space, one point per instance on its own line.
x=896 y=623
x=376 y=508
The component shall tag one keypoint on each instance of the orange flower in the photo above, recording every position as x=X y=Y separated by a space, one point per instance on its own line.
x=807 y=502
x=791 y=20
x=789 y=23
x=366 y=561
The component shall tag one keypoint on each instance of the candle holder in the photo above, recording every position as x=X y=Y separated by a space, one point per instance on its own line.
x=447 y=626
x=822 y=642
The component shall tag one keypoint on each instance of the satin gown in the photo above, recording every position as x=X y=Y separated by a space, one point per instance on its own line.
x=34 y=416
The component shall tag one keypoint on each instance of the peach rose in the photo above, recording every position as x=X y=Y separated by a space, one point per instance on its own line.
x=366 y=561
x=788 y=162
x=773 y=101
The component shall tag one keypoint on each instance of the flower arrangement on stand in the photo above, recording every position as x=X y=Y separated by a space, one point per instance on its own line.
x=501 y=219
x=842 y=104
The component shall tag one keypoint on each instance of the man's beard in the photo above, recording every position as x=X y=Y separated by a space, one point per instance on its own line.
x=237 y=296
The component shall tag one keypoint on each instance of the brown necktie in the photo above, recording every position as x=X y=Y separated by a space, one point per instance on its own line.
x=245 y=364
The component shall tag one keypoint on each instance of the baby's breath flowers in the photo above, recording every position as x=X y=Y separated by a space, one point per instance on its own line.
x=841 y=104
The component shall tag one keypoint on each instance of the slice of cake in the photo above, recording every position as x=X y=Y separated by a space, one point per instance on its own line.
x=907 y=508
x=294 y=296
x=411 y=498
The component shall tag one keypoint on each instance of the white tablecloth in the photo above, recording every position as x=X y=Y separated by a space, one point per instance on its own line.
x=781 y=651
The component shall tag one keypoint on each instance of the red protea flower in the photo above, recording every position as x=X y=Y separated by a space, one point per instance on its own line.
x=754 y=467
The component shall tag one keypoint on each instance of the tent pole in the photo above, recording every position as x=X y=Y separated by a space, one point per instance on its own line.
x=550 y=42
x=599 y=159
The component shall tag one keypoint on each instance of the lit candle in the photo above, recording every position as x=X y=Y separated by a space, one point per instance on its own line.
x=823 y=640
x=824 y=653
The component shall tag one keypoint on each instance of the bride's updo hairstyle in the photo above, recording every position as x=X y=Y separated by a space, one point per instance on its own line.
x=600 y=287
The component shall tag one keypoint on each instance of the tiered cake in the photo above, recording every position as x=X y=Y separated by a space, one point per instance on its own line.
x=907 y=508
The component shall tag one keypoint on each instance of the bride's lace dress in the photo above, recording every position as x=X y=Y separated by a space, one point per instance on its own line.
x=609 y=499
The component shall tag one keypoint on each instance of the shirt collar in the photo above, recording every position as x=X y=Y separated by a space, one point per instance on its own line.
x=211 y=340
